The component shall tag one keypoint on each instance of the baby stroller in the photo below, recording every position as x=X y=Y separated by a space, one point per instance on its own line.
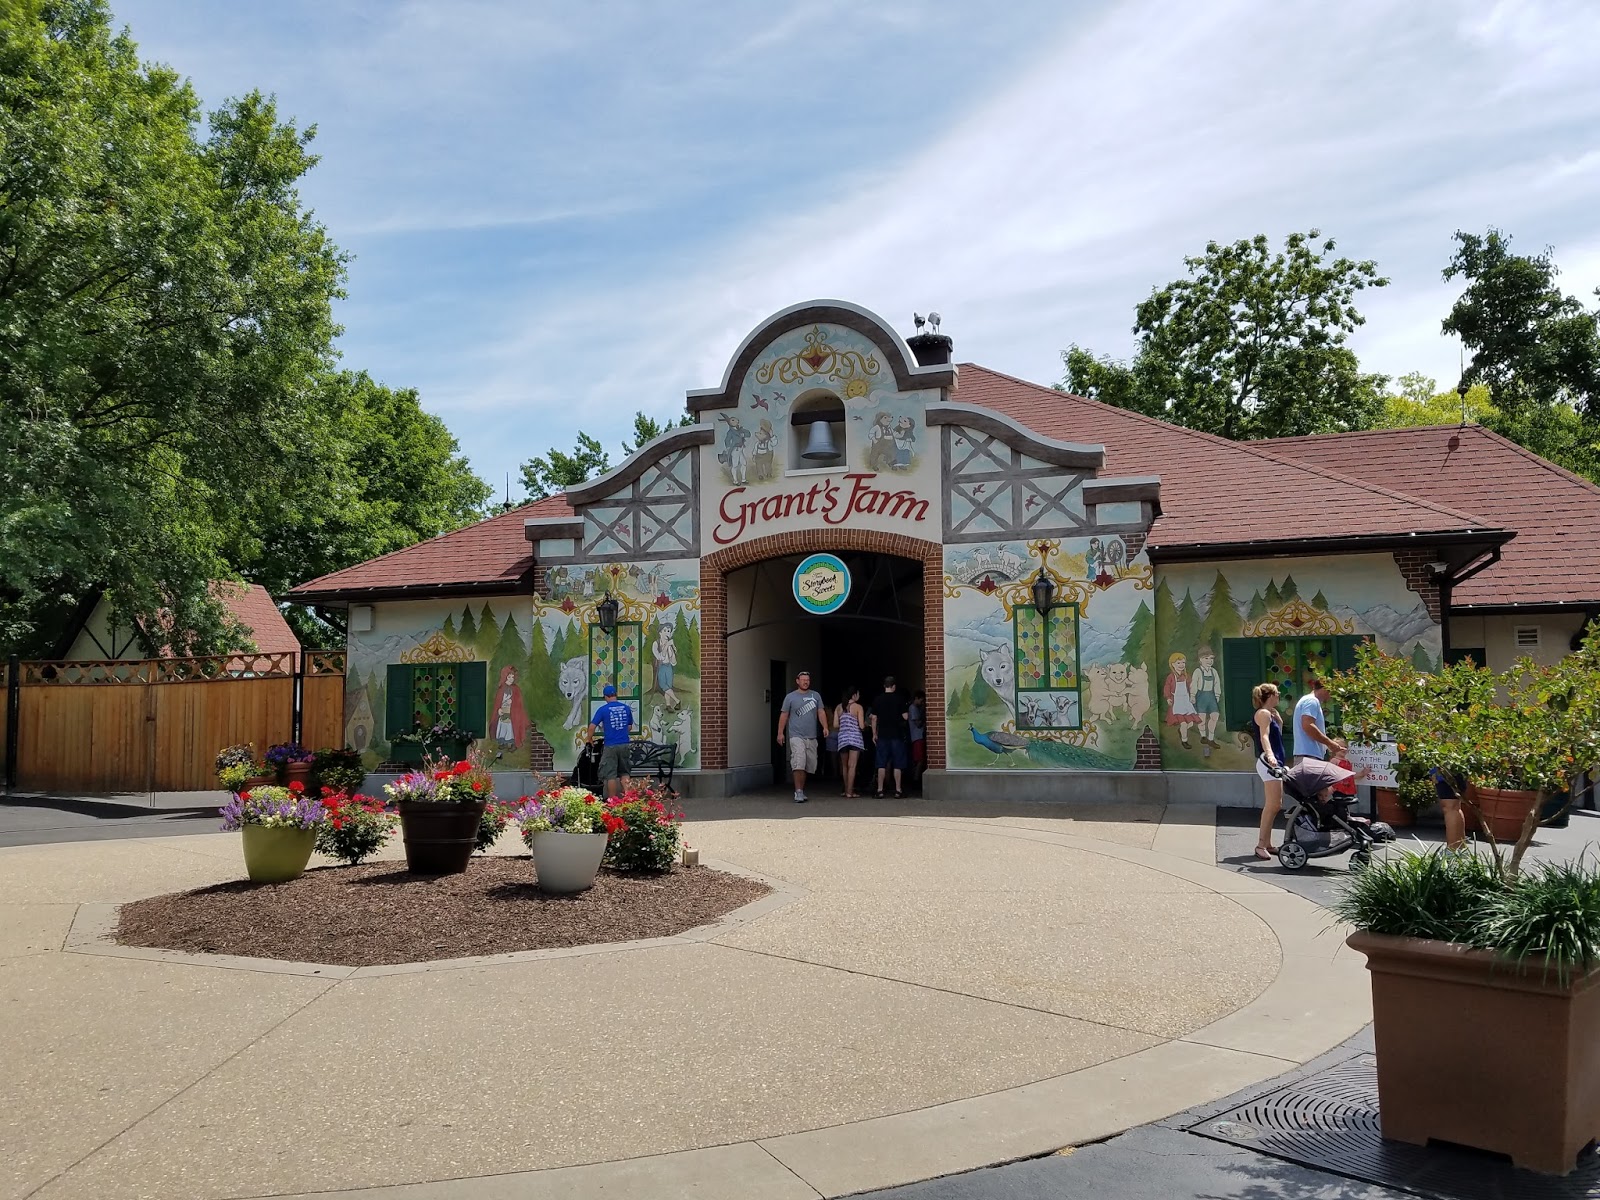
x=586 y=771
x=1320 y=822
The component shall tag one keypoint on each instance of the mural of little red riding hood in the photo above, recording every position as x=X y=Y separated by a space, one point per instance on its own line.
x=510 y=718
x=1179 y=697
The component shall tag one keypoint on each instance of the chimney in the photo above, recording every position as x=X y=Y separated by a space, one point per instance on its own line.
x=931 y=349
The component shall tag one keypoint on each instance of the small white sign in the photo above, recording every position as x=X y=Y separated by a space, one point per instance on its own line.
x=1381 y=759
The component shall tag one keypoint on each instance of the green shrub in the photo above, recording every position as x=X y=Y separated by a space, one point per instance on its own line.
x=645 y=832
x=1550 y=914
x=339 y=769
x=1415 y=894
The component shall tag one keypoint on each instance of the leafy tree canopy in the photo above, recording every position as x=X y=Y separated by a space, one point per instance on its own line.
x=169 y=409
x=555 y=470
x=1533 y=345
x=1251 y=344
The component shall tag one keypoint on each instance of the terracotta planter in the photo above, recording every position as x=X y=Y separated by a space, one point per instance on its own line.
x=1529 y=1089
x=1503 y=812
x=567 y=862
x=297 y=772
x=274 y=855
x=439 y=837
x=256 y=781
x=1390 y=810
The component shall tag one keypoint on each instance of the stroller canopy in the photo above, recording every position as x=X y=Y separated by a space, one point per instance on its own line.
x=1311 y=775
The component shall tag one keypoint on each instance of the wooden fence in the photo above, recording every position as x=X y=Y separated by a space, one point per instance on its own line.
x=156 y=725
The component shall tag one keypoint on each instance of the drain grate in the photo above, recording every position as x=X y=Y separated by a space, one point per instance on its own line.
x=1329 y=1122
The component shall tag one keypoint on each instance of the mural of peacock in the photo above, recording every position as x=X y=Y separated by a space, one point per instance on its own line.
x=1046 y=753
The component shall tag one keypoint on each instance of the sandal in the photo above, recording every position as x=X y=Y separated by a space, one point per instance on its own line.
x=899 y=795
x=877 y=795
x=1262 y=852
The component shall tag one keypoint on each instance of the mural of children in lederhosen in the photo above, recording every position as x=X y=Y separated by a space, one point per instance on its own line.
x=1206 y=686
x=1179 y=694
x=762 y=461
x=880 y=443
x=733 y=455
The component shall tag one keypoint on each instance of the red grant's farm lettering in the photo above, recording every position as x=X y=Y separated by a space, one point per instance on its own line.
x=826 y=499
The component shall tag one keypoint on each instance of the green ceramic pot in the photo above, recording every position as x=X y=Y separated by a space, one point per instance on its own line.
x=276 y=855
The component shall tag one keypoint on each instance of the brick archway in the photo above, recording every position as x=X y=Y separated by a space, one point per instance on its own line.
x=714 y=569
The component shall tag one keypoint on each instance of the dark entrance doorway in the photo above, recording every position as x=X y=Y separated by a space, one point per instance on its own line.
x=879 y=631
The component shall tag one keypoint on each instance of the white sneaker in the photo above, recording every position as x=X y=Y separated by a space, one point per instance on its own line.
x=799 y=797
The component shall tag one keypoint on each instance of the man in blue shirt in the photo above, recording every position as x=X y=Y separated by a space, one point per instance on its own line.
x=1311 y=738
x=614 y=721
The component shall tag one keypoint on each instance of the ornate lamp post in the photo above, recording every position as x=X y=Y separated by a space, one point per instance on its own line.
x=1044 y=593
x=606 y=613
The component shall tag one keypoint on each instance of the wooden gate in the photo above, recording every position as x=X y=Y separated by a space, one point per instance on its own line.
x=156 y=725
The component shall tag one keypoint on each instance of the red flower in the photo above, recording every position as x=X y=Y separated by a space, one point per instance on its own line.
x=461 y=768
x=477 y=785
x=614 y=823
x=297 y=787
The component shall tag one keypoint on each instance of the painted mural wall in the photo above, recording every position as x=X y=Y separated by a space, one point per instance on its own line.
x=755 y=484
x=1069 y=690
x=1214 y=630
x=531 y=668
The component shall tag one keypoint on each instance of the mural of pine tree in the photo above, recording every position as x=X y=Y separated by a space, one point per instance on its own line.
x=1422 y=660
x=1186 y=630
x=488 y=636
x=1166 y=624
x=687 y=644
x=540 y=686
x=1222 y=615
x=981 y=695
x=1291 y=590
x=1274 y=597
x=1319 y=601
x=1141 y=644
x=1257 y=609
x=467 y=631
x=449 y=627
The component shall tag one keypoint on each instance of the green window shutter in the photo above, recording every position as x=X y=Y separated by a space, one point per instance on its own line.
x=472 y=697
x=397 y=706
x=1241 y=671
x=1344 y=650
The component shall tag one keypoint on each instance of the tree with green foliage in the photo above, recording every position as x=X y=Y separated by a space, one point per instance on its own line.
x=170 y=413
x=1420 y=402
x=1186 y=628
x=1257 y=608
x=1532 y=344
x=1251 y=345
x=980 y=695
x=1319 y=601
x=1273 y=596
x=1290 y=590
x=1166 y=614
x=555 y=470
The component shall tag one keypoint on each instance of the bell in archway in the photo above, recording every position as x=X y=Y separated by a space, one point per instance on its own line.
x=819 y=443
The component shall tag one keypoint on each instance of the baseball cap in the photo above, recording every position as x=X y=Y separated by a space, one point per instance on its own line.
x=609 y=690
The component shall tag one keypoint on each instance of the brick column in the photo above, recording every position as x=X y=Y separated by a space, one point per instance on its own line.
x=1413 y=565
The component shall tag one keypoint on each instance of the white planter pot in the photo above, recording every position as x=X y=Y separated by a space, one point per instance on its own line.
x=567 y=862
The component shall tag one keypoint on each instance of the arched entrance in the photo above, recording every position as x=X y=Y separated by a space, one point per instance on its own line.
x=714 y=623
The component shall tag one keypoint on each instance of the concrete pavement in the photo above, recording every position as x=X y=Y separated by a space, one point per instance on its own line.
x=946 y=992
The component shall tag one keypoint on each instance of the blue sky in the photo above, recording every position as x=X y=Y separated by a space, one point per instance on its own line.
x=562 y=213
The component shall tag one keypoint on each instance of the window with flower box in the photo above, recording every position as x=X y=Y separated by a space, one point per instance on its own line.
x=429 y=694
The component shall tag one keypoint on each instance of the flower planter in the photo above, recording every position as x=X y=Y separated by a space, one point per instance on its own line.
x=407 y=754
x=1502 y=812
x=276 y=855
x=297 y=772
x=455 y=749
x=1443 y=1075
x=439 y=836
x=256 y=781
x=567 y=862
x=1390 y=810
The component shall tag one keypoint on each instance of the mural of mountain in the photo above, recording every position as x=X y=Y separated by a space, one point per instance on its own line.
x=1394 y=629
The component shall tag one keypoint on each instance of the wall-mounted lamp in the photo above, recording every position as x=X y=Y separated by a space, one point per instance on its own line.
x=606 y=613
x=1439 y=568
x=1044 y=592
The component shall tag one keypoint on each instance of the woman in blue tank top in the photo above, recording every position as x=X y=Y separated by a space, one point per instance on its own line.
x=1266 y=730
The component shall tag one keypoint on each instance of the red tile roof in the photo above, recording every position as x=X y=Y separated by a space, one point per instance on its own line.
x=1555 y=557
x=492 y=554
x=1213 y=491
x=256 y=611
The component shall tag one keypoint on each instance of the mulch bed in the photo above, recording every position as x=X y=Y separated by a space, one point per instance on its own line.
x=378 y=913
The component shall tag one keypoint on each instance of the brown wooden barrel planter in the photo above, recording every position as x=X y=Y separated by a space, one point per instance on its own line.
x=1530 y=1090
x=439 y=836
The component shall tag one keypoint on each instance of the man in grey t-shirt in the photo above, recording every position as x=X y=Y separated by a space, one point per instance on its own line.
x=799 y=722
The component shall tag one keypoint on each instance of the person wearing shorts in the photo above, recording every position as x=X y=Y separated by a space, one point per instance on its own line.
x=799 y=721
x=889 y=734
x=614 y=721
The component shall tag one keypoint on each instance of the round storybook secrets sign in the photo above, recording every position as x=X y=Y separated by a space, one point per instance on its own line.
x=821 y=584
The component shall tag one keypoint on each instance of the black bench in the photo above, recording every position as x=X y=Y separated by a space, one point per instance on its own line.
x=663 y=757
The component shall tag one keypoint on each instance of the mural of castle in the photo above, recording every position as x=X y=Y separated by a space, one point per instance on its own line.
x=1025 y=691
x=529 y=671
x=1216 y=630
